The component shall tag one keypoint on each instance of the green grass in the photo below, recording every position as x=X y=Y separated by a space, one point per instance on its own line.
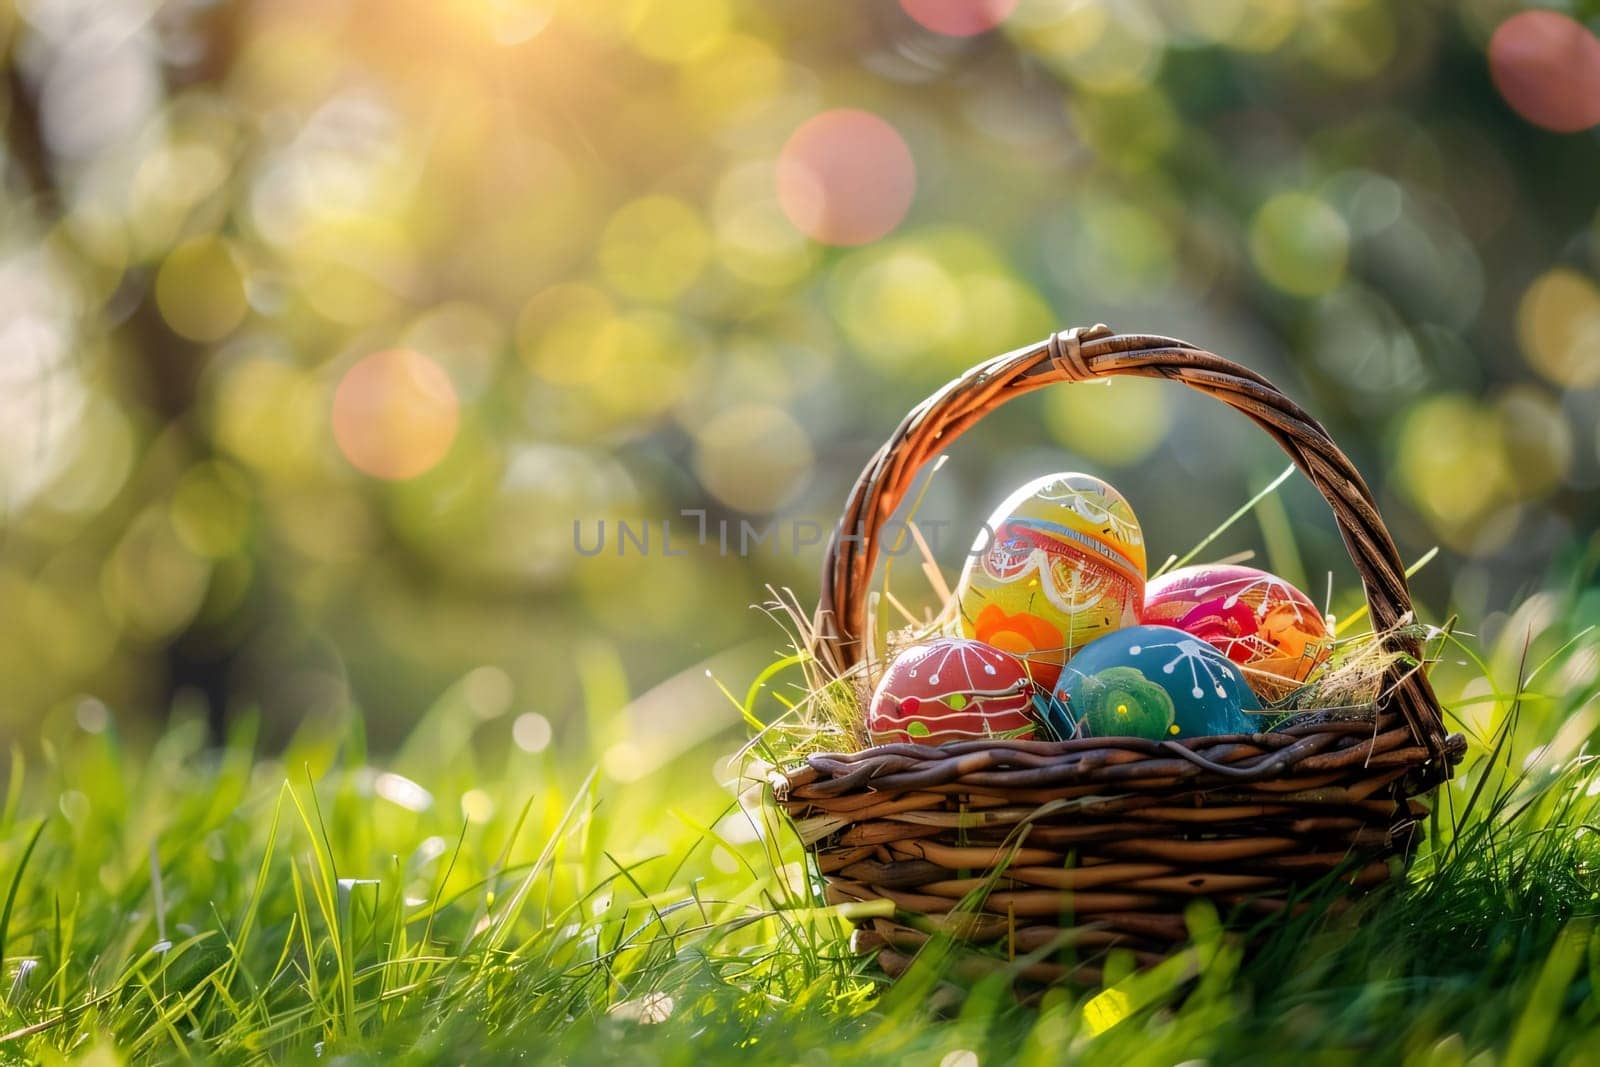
x=170 y=902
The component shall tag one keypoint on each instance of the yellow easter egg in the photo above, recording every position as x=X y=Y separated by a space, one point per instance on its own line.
x=1059 y=563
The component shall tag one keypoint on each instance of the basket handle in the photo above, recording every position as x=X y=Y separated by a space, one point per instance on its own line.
x=1078 y=355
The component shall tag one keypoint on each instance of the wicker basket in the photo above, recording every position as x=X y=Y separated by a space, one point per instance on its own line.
x=1060 y=851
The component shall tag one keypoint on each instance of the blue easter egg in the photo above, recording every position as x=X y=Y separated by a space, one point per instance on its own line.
x=1150 y=681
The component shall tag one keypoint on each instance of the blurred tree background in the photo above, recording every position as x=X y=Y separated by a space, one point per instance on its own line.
x=322 y=322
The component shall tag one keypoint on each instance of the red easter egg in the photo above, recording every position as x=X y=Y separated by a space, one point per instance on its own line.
x=1259 y=621
x=951 y=689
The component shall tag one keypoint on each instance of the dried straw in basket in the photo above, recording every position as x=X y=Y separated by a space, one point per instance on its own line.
x=1060 y=851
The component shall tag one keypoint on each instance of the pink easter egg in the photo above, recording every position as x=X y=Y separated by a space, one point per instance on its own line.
x=1259 y=621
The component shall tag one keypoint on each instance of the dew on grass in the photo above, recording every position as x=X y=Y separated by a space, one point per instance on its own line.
x=429 y=850
x=398 y=789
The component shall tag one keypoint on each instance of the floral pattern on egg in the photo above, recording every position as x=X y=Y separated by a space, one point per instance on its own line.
x=1060 y=562
x=1256 y=619
x=1112 y=685
x=1121 y=702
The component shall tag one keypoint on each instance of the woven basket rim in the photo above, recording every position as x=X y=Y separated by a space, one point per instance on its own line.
x=1196 y=761
x=1084 y=354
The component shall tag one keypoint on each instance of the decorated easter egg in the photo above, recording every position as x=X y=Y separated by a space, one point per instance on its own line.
x=1059 y=563
x=1258 y=620
x=951 y=689
x=1150 y=681
x=1122 y=702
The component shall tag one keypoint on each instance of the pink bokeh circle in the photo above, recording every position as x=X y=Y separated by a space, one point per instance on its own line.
x=395 y=414
x=959 y=18
x=845 y=177
x=1547 y=67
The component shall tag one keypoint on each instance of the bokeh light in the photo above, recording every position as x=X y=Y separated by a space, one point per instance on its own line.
x=1118 y=424
x=1300 y=244
x=152 y=583
x=466 y=337
x=1547 y=66
x=532 y=732
x=1246 y=25
x=654 y=248
x=736 y=78
x=755 y=241
x=898 y=303
x=1558 y=326
x=477 y=806
x=846 y=177
x=1131 y=129
x=1538 y=440
x=959 y=18
x=42 y=394
x=1103 y=46
x=395 y=414
x=210 y=509
x=619 y=259
x=1453 y=467
x=932 y=300
x=753 y=458
x=268 y=413
x=1116 y=248
x=512 y=22
x=200 y=289
x=1352 y=40
x=567 y=333
x=676 y=32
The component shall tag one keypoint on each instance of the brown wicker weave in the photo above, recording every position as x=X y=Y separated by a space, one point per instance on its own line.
x=1097 y=843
